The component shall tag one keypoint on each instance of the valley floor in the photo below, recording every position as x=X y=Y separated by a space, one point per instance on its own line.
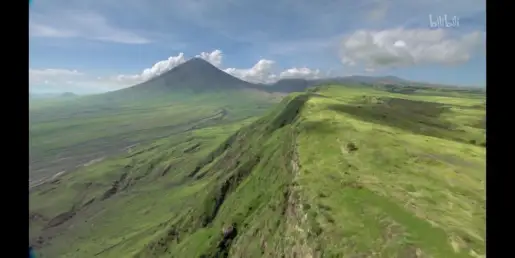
x=71 y=133
x=334 y=172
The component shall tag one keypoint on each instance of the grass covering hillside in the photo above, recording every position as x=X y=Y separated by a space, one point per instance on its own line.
x=65 y=134
x=334 y=172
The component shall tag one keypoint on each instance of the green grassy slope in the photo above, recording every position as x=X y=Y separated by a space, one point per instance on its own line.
x=69 y=133
x=341 y=172
x=399 y=177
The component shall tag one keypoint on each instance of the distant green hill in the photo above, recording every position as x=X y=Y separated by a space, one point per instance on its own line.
x=334 y=172
x=392 y=82
x=68 y=94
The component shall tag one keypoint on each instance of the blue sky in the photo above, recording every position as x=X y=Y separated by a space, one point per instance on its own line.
x=101 y=45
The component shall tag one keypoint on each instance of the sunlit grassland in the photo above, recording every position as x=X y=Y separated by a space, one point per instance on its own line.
x=399 y=191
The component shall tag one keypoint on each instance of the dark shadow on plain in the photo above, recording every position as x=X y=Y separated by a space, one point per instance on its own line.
x=418 y=117
x=317 y=127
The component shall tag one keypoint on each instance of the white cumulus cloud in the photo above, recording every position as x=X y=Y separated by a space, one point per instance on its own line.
x=261 y=72
x=304 y=73
x=215 y=57
x=163 y=66
x=264 y=71
x=405 y=47
x=156 y=70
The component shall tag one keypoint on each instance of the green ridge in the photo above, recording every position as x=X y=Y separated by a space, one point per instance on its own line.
x=333 y=172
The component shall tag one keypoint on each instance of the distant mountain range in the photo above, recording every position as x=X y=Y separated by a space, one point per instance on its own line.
x=291 y=85
x=33 y=95
x=197 y=75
